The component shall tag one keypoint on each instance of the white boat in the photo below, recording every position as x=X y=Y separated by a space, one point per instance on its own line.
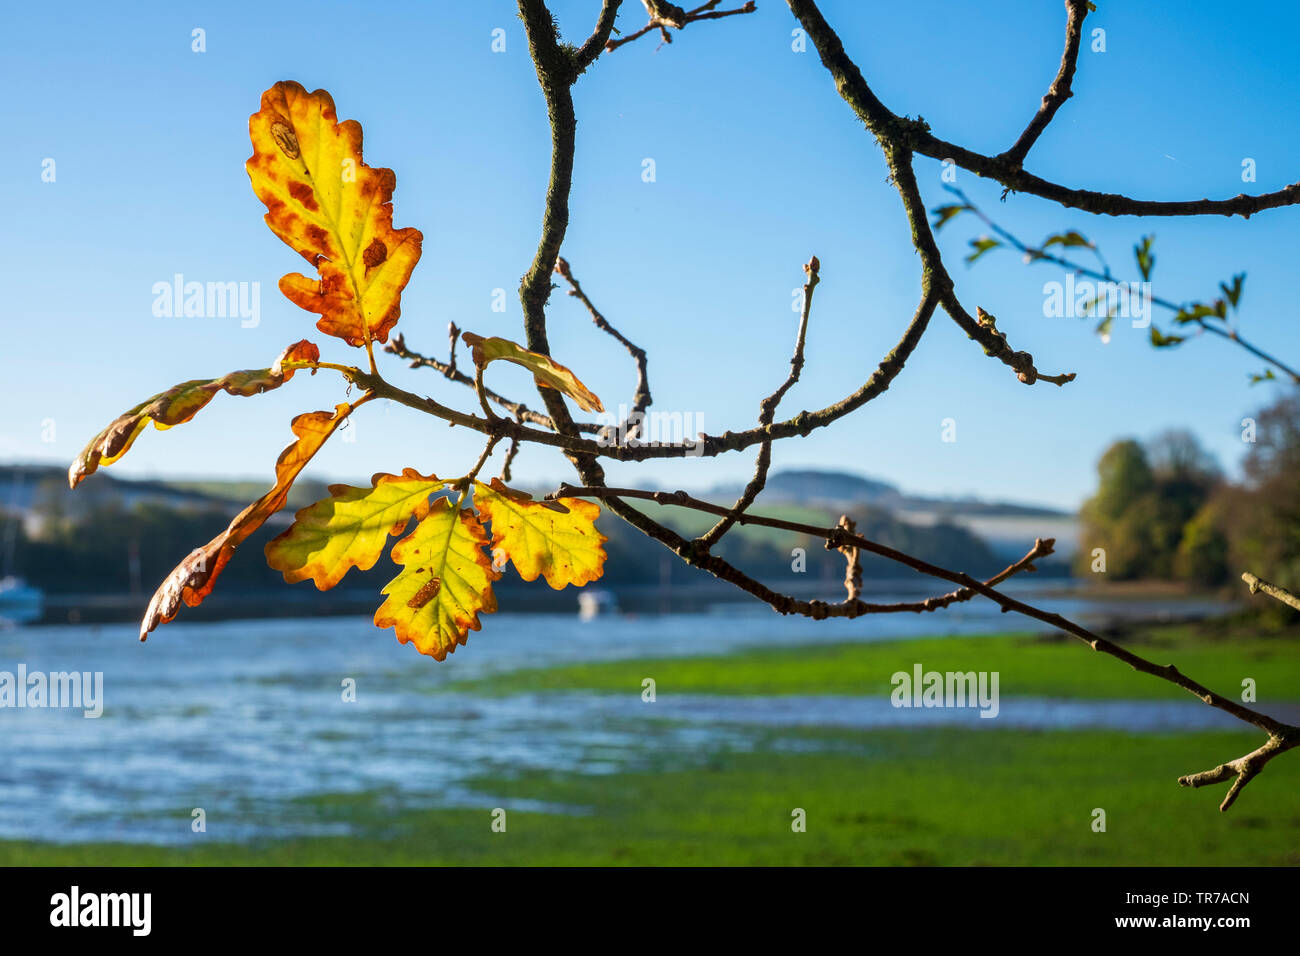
x=593 y=603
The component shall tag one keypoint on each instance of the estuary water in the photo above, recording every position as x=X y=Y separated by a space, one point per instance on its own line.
x=247 y=719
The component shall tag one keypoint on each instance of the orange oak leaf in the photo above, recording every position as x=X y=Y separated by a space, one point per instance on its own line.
x=334 y=210
x=350 y=528
x=545 y=369
x=193 y=579
x=445 y=582
x=179 y=404
x=561 y=544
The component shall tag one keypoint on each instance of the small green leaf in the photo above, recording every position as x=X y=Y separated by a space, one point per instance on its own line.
x=942 y=214
x=1197 y=312
x=1069 y=239
x=1266 y=376
x=1233 y=292
x=981 y=246
x=1146 y=260
x=1160 y=340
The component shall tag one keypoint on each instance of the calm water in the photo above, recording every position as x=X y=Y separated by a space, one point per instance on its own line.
x=243 y=718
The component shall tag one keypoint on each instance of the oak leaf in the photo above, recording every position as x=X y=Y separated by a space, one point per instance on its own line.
x=179 y=404
x=350 y=528
x=334 y=210
x=445 y=582
x=545 y=369
x=193 y=579
x=561 y=544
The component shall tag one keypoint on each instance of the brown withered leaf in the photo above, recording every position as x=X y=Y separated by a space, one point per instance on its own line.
x=334 y=210
x=545 y=369
x=179 y=404
x=193 y=579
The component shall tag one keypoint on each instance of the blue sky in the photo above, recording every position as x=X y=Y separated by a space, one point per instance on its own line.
x=758 y=165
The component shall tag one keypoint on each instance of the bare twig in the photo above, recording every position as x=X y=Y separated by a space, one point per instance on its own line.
x=1244 y=769
x=1059 y=91
x=853 y=566
x=899 y=139
x=767 y=411
x=664 y=15
x=641 y=399
x=1257 y=584
x=453 y=334
x=596 y=43
x=986 y=334
x=1281 y=736
x=511 y=452
x=915 y=135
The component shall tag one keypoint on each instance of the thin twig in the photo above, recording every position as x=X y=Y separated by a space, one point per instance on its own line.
x=1281 y=736
x=664 y=15
x=853 y=566
x=1037 y=254
x=915 y=135
x=641 y=399
x=1257 y=584
x=767 y=411
x=397 y=346
x=1059 y=91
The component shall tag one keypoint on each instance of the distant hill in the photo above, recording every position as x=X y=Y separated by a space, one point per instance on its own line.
x=303 y=493
x=1009 y=527
x=44 y=488
x=835 y=487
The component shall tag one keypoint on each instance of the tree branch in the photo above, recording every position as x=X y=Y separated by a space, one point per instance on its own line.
x=641 y=399
x=1243 y=769
x=1257 y=584
x=397 y=346
x=766 y=412
x=664 y=15
x=595 y=44
x=889 y=128
x=1035 y=254
x=1282 y=736
x=984 y=332
x=1059 y=91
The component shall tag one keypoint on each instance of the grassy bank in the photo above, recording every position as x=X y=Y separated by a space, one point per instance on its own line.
x=1028 y=666
x=891 y=798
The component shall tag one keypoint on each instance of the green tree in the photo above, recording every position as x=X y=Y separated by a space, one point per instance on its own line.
x=1262 y=518
x=1112 y=519
x=1149 y=513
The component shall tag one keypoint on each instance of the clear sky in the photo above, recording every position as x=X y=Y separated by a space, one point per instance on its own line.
x=758 y=165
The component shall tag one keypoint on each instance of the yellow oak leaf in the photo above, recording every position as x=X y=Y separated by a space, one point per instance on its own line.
x=545 y=369
x=561 y=544
x=179 y=404
x=193 y=579
x=445 y=582
x=334 y=210
x=350 y=528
